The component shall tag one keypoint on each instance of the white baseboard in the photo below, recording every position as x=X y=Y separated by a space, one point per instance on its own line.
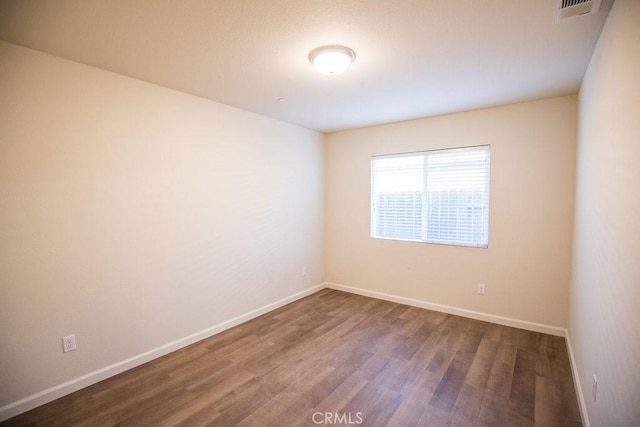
x=582 y=403
x=506 y=321
x=60 y=390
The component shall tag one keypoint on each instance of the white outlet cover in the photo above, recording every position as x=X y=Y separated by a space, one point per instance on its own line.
x=69 y=343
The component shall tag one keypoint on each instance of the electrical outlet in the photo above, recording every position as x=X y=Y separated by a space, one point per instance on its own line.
x=304 y=271
x=69 y=343
x=481 y=288
x=594 y=387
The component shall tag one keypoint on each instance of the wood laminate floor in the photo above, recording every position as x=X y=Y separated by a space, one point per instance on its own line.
x=336 y=358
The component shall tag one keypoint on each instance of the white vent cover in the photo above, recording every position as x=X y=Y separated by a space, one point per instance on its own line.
x=567 y=9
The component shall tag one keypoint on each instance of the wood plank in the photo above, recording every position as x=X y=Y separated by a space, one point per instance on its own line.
x=449 y=387
x=343 y=393
x=480 y=368
x=413 y=405
x=501 y=375
x=523 y=386
x=374 y=402
x=467 y=407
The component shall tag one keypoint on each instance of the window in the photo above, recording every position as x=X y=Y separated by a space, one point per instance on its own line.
x=435 y=196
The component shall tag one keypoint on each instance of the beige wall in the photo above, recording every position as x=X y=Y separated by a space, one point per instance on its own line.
x=604 y=317
x=133 y=215
x=526 y=268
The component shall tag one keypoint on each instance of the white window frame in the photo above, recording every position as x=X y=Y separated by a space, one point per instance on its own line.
x=483 y=242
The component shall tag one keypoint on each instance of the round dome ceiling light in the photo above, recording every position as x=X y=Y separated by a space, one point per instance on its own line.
x=332 y=60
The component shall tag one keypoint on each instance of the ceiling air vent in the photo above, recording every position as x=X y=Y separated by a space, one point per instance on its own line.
x=567 y=9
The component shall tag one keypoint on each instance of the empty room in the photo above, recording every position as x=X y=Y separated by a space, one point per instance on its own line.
x=299 y=213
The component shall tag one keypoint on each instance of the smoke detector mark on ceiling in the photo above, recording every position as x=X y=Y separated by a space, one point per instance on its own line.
x=567 y=9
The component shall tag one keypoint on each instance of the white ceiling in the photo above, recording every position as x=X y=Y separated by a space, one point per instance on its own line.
x=415 y=58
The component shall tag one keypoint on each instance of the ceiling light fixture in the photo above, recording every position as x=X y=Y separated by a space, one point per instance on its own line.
x=332 y=60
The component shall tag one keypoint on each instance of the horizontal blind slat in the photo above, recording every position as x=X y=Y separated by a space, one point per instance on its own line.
x=453 y=207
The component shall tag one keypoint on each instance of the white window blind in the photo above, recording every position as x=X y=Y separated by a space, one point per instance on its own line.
x=435 y=196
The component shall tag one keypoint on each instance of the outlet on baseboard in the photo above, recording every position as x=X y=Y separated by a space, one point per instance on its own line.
x=304 y=270
x=69 y=343
x=481 y=288
x=594 y=387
